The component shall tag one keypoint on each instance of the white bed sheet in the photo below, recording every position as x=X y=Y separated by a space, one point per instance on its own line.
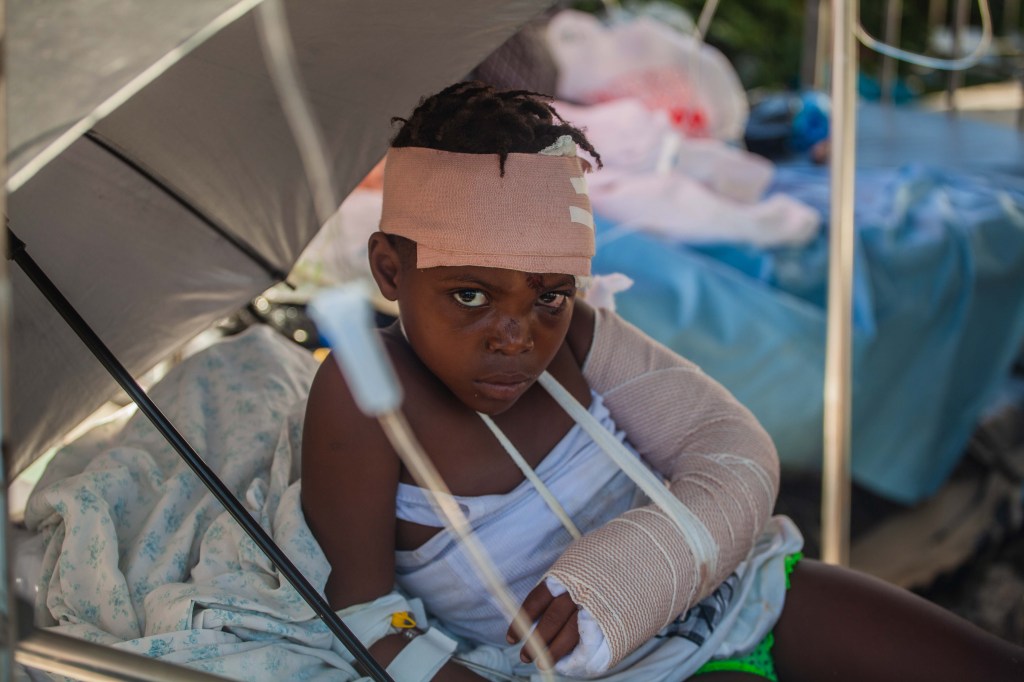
x=138 y=555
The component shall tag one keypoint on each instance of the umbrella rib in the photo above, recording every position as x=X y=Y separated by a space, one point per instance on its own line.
x=247 y=249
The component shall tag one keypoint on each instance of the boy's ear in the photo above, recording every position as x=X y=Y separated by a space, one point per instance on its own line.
x=385 y=265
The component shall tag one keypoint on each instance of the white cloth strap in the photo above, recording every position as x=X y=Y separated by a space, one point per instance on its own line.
x=703 y=544
x=524 y=466
x=422 y=657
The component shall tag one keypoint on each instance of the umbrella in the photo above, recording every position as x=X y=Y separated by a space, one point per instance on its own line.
x=187 y=196
x=155 y=178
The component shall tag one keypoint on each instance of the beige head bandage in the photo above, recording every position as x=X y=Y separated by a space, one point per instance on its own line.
x=460 y=210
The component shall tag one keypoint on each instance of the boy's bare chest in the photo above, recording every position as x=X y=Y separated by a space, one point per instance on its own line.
x=469 y=456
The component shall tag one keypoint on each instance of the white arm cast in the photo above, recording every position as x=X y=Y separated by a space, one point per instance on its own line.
x=638 y=572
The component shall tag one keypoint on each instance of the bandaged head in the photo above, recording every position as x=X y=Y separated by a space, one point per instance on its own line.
x=461 y=209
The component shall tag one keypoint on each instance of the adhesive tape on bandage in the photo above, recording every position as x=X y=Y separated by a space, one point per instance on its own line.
x=422 y=657
x=460 y=209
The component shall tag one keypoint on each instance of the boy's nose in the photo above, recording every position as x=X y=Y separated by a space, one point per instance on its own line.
x=511 y=336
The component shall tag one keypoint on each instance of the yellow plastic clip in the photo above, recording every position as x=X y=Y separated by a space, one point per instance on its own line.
x=402 y=620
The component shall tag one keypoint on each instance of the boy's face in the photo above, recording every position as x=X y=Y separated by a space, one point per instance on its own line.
x=486 y=333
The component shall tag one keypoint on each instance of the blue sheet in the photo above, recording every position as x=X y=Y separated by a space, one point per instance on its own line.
x=938 y=319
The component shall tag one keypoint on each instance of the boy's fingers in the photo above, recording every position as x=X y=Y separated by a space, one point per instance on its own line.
x=534 y=605
x=555 y=617
x=566 y=639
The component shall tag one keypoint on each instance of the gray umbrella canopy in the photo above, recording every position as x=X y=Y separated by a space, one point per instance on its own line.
x=188 y=197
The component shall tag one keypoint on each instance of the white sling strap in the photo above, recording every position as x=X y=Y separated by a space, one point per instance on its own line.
x=689 y=525
x=704 y=546
x=532 y=477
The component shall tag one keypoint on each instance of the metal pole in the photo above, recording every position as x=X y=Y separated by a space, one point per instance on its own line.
x=961 y=16
x=835 y=506
x=824 y=45
x=1011 y=17
x=809 y=51
x=8 y=629
x=253 y=529
x=81 y=660
x=893 y=29
x=936 y=14
x=1020 y=110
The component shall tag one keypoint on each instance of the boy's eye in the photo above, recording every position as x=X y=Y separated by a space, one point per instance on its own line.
x=471 y=298
x=552 y=299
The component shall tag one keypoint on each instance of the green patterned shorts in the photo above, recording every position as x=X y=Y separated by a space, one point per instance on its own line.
x=759 y=661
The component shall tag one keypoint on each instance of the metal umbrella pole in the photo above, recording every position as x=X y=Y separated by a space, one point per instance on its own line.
x=835 y=507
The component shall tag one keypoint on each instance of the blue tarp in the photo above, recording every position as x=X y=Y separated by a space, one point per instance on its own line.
x=938 y=318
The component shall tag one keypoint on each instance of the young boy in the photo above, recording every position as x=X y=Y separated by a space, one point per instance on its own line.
x=485 y=240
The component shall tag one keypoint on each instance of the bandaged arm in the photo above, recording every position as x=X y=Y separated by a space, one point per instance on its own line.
x=638 y=572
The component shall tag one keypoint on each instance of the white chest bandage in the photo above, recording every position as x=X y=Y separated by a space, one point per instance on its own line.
x=641 y=570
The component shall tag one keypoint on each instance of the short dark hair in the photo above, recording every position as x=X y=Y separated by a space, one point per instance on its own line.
x=476 y=118
x=405 y=247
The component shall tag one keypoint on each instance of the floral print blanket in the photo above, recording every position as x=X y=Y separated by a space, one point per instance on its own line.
x=140 y=556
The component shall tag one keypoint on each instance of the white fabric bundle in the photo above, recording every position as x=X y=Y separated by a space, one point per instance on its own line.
x=638 y=572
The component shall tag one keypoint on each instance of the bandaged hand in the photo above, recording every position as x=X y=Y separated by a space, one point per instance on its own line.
x=557 y=624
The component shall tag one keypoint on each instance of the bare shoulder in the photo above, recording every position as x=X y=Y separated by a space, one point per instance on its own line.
x=349 y=480
x=581 y=331
x=333 y=422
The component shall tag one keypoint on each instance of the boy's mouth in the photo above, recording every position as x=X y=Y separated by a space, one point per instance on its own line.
x=503 y=387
